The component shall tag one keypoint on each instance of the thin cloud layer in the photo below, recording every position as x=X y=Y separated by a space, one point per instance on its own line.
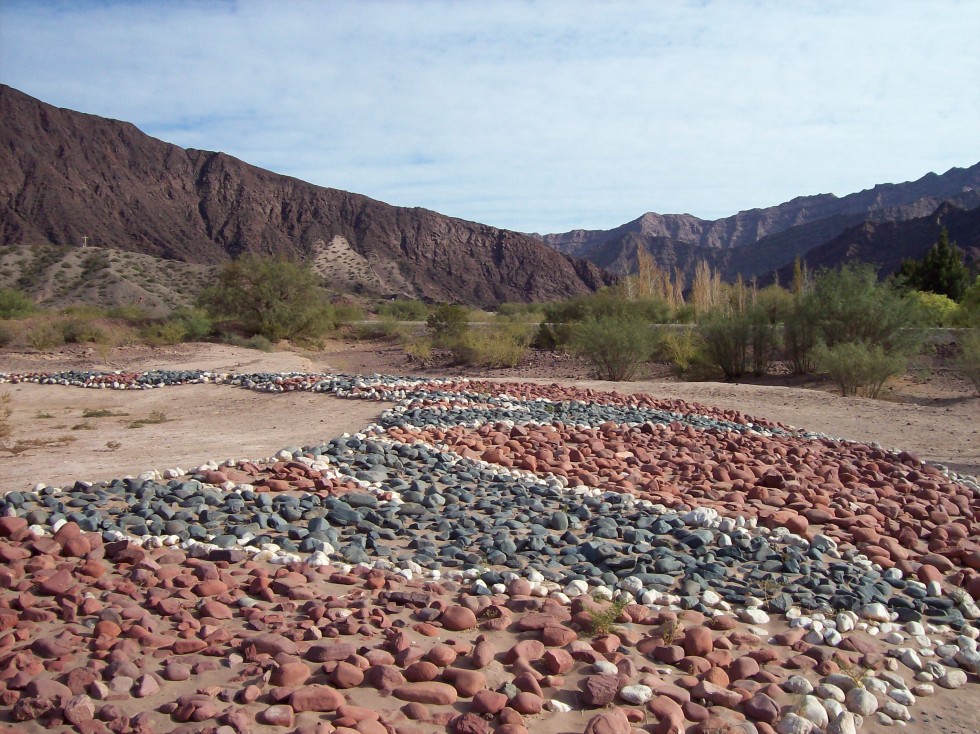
x=536 y=116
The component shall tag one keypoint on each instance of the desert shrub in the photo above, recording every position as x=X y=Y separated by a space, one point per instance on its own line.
x=195 y=322
x=764 y=339
x=419 y=348
x=501 y=344
x=45 y=334
x=850 y=305
x=616 y=346
x=561 y=320
x=128 y=312
x=968 y=310
x=257 y=341
x=377 y=330
x=161 y=333
x=522 y=311
x=7 y=334
x=858 y=368
x=82 y=329
x=683 y=349
x=800 y=336
x=775 y=302
x=934 y=309
x=345 y=313
x=447 y=323
x=14 y=304
x=403 y=309
x=726 y=338
x=968 y=361
x=270 y=297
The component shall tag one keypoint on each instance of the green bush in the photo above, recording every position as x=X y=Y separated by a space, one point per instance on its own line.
x=857 y=368
x=968 y=360
x=800 y=338
x=682 y=348
x=82 y=330
x=45 y=334
x=7 y=334
x=726 y=339
x=377 y=330
x=764 y=338
x=196 y=323
x=561 y=319
x=968 y=310
x=270 y=297
x=850 y=305
x=403 y=309
x=934 y=309
x=447 y=323
x=500 y=344
x=616 y=346
x=163 y=333
x=522 y=311
x=14 y=304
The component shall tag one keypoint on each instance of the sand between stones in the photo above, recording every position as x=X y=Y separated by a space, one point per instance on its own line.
x=686 y=649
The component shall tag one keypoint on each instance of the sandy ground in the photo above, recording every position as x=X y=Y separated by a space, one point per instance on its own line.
x=217 y=422
x=206 y=422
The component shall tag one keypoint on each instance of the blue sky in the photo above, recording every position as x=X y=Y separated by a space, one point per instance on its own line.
x=535 y=116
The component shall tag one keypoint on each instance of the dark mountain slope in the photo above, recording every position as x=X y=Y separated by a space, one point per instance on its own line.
x=65 y=175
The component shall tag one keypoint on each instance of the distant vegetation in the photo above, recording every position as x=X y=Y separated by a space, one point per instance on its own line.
x=843 y=323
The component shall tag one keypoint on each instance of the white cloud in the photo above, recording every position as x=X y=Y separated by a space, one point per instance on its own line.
x=531 y=115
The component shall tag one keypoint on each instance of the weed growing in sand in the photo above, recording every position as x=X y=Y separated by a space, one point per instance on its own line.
x=5 y=410
x=82 y=427
x=156 y=417
x=113 y=445
x=42 y=415
x=857 y=673
x=668 y=631
x=601 y=621
x=101 y=413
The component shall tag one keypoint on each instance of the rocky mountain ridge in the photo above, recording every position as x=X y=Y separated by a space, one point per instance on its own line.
x=758 y=241
x=66 y=175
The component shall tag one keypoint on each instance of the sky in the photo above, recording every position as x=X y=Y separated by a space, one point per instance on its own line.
x=533 y=116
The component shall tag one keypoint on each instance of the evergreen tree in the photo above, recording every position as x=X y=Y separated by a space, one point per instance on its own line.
x=941 y=271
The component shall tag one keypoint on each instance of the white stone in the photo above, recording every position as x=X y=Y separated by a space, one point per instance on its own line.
x=557 y=706
x=968 y=660
x=793 y=724
x=845 y=621
x=710 y=598
x=813 y=711
x=911 y=659
x=861 y=701
x=638 y=694
x=896 y=711
x=813 y=638
x=883 y=719
x=876 y=686
x=833 y=638
x=753 y=616
x=953 y=679
x=834 y=708
x=830 y=691
x=798 y=684
x=604 y=667
x=924 y=689
x=578 y=587
x=915 y=628
x=902 y=696
x=844 y=723
x=894 y=638
x=875 y=612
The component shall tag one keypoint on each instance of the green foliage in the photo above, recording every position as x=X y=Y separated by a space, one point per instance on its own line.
x=615 y=345
x=523 y=311
x=602 y=620
x=163 y=333
x=764 y=337
x=858 y=368
x=447 y=323
x=270 y=297
x=941 y=270
x=404 y=310
x=386 y=328
x=7 y=334
x=14 y=304
x=968 y=312
x=561 y=319
x=501 y=344
x=800 y=337
x=195 y=322
x=775 y=302
x=726 y=339
x=849 y=305
x=82 y=329
x=681 y=347
x=968 y=360
x=45 y=334
x=935 y=309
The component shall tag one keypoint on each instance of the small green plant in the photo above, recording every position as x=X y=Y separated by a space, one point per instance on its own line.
x=615 y=346
x=6 y=410
x=42 y=415
x=858 y=369
x=156 y=417
x=403 y=310
x=113 y=445
x=446 y=324
x=501 y=344
x=45 y=334
x=82 y=427
x=99 y=413
x=668 y=631
x=14 y=304
x=419 y=349
x=726 y=339
x=857 y=673
x=602 y=621
x=768 y=589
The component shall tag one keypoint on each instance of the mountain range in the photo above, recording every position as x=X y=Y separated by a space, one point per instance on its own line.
x=882 y=225
x=67 y=177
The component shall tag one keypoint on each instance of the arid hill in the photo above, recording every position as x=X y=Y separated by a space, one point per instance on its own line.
x=65 y=175
x=759 y=241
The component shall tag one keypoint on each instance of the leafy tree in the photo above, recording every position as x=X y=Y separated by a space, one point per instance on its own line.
x=271 y=297
x=616 y=345
x=14 y=303
x=940 y=271
x=447 y=323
